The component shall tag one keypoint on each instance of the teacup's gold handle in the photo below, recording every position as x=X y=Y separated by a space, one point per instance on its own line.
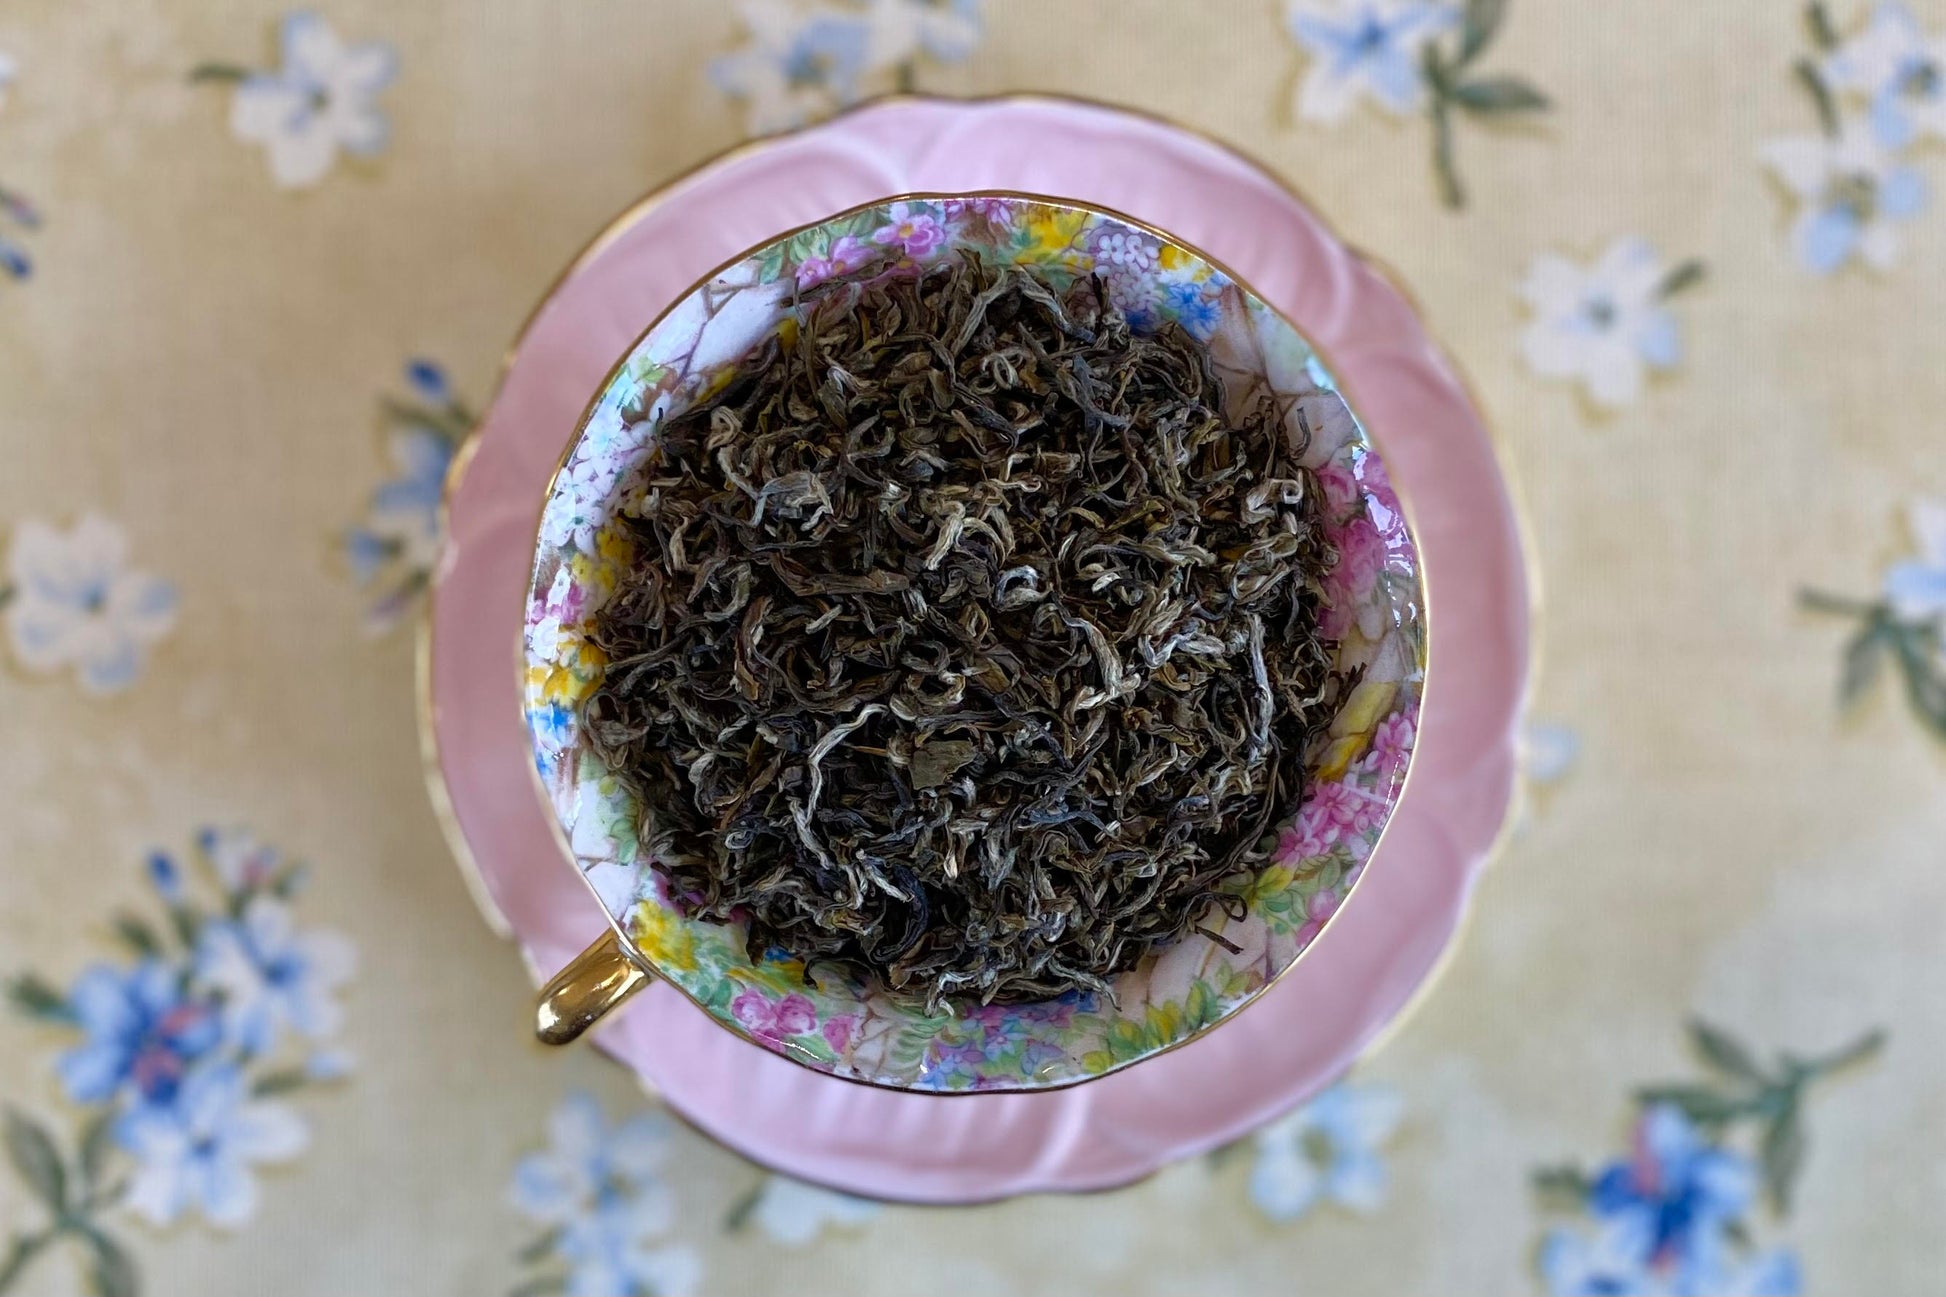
x=601 y=977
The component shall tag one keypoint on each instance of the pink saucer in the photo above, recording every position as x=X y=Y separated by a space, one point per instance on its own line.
x=1366 y=965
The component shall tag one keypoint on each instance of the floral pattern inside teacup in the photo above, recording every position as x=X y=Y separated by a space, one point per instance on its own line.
x=1375 y=610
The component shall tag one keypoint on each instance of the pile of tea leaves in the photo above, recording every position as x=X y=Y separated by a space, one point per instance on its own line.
x=969 y=645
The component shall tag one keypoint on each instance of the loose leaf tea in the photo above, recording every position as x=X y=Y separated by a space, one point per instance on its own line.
x=971 y=646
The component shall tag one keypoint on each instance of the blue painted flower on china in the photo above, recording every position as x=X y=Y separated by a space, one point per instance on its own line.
x=1899 y=70
x=598 y=1189
x=71 y=599
x=393 y=550
x=321 y=101
x=1329 y=1150
x=1852 y=194
x=1364 y=51
x=1606 y=325
x=179 y=1058
x=795 y=1214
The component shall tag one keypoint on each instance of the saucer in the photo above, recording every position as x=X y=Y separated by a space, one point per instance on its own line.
x=1366 y=965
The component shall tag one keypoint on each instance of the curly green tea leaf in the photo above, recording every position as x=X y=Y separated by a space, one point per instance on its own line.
x=973 y=643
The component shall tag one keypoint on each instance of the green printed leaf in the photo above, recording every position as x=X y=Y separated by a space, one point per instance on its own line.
x=137 y=935
x=1818 y=19
x=1564 y=1187
x=1782 y=1155
x=1724 y=1052
x=1477 y=27
x=32 y=1152
x=1685 y=275
x=34 y=997
x=1496 y=95
x=1699 y=1103
x=1451 y=192
x=280 y=1082
x=540 y=1248
x=738 y=1217
x=111 y=1271
x=1864 y=656
x=97 y=1139
x=1812 y=80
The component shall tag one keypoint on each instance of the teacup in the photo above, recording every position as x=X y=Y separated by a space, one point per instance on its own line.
x=851 y=1028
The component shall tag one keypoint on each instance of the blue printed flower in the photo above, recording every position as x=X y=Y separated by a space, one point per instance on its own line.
x=1611 y=1259
x=196 y=1154
x=1617 y=1259
x=1676 y=1187
x=272 y=976
x=1916 y=587
x=142 y=1033
x=1851 y=191
x=403 y=523
x=599 y=1189
x=322 y=100
x=1606 y=324
x=948 y=30
x=1896 y=68
x=794 y=1213
x=76 y=601
x=1364 y=49
x=1328 y=1150
x=796 y=66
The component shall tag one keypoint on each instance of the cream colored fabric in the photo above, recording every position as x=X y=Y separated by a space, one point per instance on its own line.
x=197 y=357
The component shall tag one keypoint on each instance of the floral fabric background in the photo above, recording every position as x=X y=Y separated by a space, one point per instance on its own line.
x=257 y=269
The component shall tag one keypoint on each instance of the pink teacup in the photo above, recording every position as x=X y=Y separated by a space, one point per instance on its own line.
x=853 y=1029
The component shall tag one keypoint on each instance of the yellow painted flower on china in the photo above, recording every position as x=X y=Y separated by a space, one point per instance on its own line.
x=661 y=936
x=1351 y=731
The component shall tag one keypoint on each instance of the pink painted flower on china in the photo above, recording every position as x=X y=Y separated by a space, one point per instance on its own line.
x=1348 y=585
x=910 y=227
x=1392 y=743
x=1330 y=813
x=770 y=1021
x=844 y=256
x=997 y=210
x=1318 y=912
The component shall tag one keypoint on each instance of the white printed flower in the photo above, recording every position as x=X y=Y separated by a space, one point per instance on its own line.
x=195 y=1154
x=794 y=1213
x=601 y=1190
x=1364 y=49
x=1328 y=1150
x=273 y=976
x=9 y=72
x=321 y=100
x=1850 y=189
x=72 y=600
x=239 y=860
x=796 y=67
x=1899 y=70
x=948 y=30
x=1604 y=324
x=1548 y=750
x=1916 y=587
